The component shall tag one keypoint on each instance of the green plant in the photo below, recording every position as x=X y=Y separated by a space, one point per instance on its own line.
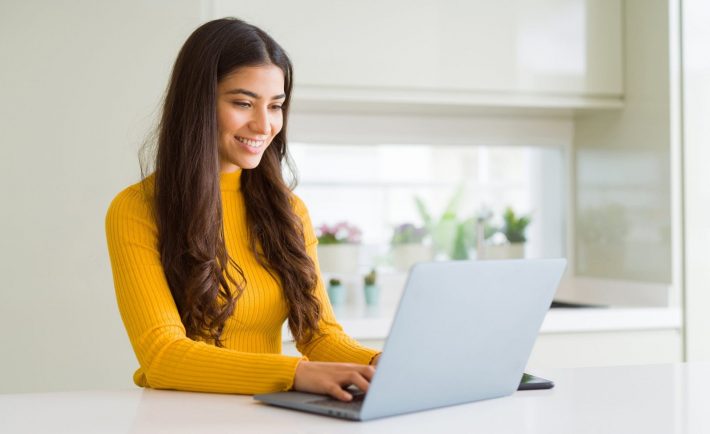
x=371 y=277
x=483 y=218
x=465 y=238
x=444 y=230
x=407 y=233
x=334 y=282
x=514 y=227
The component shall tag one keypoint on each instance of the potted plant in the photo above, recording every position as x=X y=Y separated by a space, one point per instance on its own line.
x=408 y=246
x=452 y=237
x=465 y=239
x=513 y=229
x=336 y=292
x=372 y=290
x=339 y=247
x=445 y=230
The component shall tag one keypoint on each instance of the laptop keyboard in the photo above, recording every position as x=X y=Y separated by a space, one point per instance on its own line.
x=355 y=404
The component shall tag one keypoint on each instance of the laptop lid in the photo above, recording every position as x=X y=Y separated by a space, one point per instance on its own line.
x=463 y=332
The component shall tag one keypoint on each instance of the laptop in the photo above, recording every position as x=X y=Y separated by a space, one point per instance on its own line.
x=463 y=332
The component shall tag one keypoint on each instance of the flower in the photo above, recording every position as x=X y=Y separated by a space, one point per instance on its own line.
x=340 y=233
x=407 y=233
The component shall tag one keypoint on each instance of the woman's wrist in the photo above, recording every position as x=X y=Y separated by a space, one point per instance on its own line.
x=375 y=359
x=300 y=365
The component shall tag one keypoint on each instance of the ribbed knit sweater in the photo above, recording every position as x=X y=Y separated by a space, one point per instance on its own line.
x=251 y=360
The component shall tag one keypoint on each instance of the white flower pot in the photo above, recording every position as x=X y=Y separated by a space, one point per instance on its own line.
x=406 y=255
x=503 y=251
x=339 y=258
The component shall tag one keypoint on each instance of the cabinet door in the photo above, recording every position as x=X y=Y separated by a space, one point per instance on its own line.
x=630 y=347
x=524 y=46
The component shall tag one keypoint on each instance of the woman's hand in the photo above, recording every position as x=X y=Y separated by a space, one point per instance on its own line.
x=330 y=378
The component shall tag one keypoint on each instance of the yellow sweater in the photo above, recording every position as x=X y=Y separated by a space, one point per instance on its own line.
x=251 y=360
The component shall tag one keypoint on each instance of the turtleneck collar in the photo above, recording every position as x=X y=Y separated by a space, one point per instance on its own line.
x=230 y=181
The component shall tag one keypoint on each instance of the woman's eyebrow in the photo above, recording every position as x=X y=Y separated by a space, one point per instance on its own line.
x=252 y=94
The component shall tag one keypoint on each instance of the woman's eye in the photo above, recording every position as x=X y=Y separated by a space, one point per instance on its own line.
x=242 y=104
x=276 y=107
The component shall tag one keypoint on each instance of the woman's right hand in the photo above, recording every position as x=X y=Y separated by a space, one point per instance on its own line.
x=328 y=378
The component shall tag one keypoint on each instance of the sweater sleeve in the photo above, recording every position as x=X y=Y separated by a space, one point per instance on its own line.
x=168 y=358
x=333 y=345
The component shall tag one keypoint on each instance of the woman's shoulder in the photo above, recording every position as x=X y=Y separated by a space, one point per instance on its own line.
x=132 y=203
x=299 y=207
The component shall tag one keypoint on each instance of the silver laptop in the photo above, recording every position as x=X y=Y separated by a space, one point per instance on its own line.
x=463 y=332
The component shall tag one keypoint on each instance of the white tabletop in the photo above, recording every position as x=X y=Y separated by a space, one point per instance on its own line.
x=643 y=399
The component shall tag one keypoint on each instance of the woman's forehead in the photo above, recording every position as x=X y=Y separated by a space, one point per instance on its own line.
x=263 y=81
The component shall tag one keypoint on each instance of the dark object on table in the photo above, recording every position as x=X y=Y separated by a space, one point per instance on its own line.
x=566 y=305
x=531 y=382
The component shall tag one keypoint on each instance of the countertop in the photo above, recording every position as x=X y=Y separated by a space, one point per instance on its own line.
x=662 y=399
x=362 y=322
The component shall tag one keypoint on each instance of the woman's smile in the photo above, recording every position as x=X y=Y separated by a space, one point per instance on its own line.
x=252 y=143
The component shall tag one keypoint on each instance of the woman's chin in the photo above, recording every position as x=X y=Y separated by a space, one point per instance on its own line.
x=249 y=163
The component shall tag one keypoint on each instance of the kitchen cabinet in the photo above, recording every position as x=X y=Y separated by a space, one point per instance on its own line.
x=509 y=52
x=568 y=337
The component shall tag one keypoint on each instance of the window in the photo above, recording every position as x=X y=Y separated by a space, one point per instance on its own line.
x=374 y=187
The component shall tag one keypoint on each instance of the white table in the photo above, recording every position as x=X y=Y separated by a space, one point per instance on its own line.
x=661 y=399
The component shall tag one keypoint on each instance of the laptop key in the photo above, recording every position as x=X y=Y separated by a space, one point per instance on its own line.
x=334 y=403
x=354 y=404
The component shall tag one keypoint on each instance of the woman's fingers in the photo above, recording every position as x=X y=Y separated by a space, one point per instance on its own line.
x=367 y=371
x=331 y=378
x=337 y=392
x=359 y=381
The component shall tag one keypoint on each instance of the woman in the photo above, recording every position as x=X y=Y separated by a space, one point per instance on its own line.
x=212 y=252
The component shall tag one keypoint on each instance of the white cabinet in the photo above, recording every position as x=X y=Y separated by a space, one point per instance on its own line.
x=568 y=337
x=448 y=51
x=634 y=347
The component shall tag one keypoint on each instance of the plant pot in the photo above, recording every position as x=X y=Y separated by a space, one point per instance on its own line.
x=336 y=294
x=372 y=295
x=339 y=258
x=503 y=251
x=406 y=255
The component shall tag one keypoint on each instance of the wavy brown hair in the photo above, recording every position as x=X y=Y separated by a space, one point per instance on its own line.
x=187 y=199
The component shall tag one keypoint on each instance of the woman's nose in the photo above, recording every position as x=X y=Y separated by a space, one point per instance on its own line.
x=260 y=123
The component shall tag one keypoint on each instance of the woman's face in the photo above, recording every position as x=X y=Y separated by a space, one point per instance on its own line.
x=249 y=115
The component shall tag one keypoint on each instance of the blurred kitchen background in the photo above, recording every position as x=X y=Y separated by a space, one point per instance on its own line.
x=420 y=130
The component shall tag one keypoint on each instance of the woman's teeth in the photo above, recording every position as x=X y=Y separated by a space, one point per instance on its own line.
x=251 y=143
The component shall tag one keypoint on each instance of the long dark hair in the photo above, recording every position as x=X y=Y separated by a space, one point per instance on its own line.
x=187 y=199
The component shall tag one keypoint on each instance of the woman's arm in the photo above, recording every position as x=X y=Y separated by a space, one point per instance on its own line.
x=168 y=359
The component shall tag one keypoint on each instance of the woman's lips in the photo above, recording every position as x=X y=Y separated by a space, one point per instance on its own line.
x=254 y=143
x=251 y=146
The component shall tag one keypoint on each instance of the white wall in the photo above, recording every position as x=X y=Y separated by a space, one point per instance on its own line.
x=79 y=84
x=696 y=126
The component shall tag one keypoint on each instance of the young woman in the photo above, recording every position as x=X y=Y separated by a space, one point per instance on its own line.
x=212 y=252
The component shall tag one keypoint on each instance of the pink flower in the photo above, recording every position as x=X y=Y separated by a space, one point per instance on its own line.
x=342 y=232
